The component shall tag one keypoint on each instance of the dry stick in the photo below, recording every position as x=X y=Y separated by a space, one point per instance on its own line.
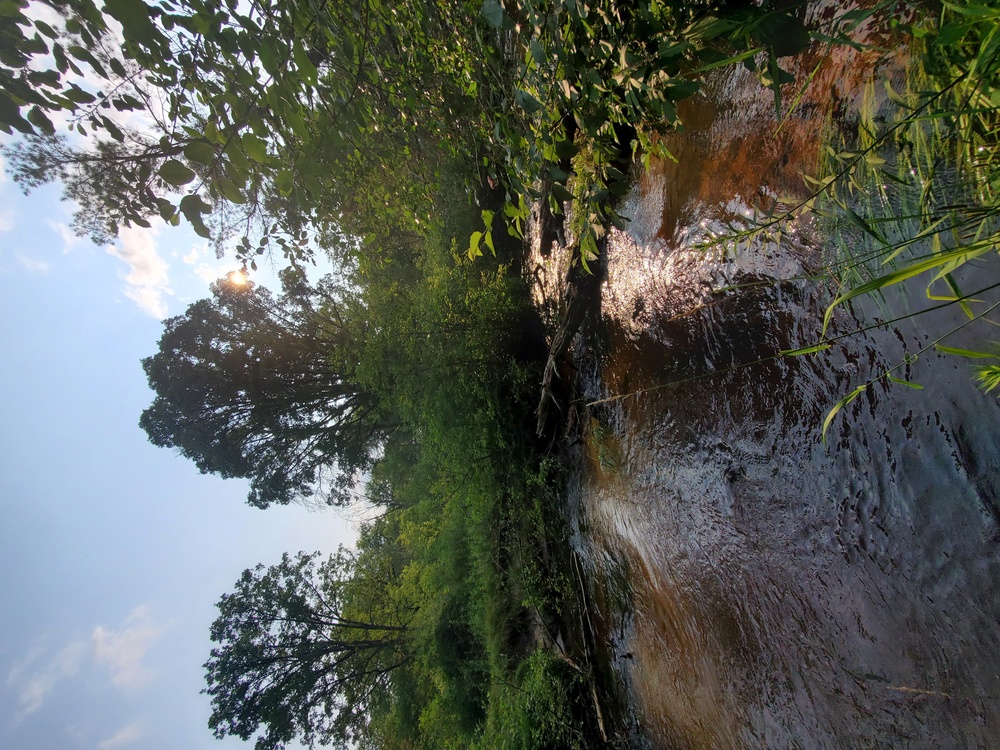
x=589 y=626
x=873 y=678
x=917 y=691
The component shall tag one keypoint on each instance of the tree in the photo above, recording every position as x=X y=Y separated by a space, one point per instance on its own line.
x=266 y=120
x=262 y=388
x=304 y=651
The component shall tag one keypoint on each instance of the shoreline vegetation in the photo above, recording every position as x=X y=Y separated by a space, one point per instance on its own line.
x=410 y=143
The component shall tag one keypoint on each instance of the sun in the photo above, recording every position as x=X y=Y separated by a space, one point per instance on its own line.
x=238 y=278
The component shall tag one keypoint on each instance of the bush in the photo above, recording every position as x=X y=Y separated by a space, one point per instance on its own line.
x=539 y=711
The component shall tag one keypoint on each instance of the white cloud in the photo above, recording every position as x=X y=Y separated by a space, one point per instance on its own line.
x=34 y=682
x=34 y=265
x=69 y=238
x=147 y=280
x=207 y=272
x=122 y=651
x=6 y=221
x=124 y=736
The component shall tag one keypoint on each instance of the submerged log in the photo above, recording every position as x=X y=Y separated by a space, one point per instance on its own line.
x=581 y=294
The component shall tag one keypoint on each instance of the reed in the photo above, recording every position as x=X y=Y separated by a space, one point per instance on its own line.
x=909 y=192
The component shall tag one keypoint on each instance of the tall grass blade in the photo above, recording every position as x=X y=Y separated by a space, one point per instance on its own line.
x=908 y=272
x=840 y=405
x=964 y=352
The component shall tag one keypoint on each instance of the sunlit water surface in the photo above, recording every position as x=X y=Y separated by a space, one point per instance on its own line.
x=754 y=586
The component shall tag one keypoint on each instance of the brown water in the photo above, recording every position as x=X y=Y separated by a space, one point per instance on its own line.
x=756 y=587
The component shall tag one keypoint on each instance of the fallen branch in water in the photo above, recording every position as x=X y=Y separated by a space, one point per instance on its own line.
x=917 y=691
x=581 y=293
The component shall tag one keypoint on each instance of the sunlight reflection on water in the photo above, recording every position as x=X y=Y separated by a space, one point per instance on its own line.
x=779 y=592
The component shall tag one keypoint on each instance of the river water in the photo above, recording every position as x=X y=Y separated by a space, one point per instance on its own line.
x=753 y=586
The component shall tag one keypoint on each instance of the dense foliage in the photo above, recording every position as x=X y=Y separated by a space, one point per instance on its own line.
x=281 y=124
x=262 y=388
x=306 y=652
x=465 y=550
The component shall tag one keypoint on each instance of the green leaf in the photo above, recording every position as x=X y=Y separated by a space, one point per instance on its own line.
x=193 y=207
x=62 y=64
x=255 y=148
x=113 y=130
x=230 y=190
x=537 y=51
x=306 y=68
x=75 y=94
x=669 y=49
x=557 y=174
x=840 y=405
x=270 y=57
x=175 y=173
x=914 y=269
x=527 y=102
x=38 y=118
x=238 y=160
x=561 y=193
x=708 y=28
x=896 y=97
x=10 y=8
x=45 y=29
x=951 y=33
x=117 y=68
x=134 y=16
x=167 y=210
x=493 y=13
x=988 y=377
x=784 y=34
x=728 y=61
x=964 y=352
x=805 y=350
x=907 y=383
x=973 y=10
x=201 y=152
x=474 y=240
x=510 y=210
x=284 y=181
x=864 y=226
x=566 y=149
x=84 y=55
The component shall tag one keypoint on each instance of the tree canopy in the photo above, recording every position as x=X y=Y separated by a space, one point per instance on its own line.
x=305 y=649
x=281 y=125
x=249 y=385
x=259 y=124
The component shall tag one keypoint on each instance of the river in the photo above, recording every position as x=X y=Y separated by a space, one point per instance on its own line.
x=753 y=585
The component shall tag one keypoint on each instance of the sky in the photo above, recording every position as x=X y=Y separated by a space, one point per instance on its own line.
x=113 y=552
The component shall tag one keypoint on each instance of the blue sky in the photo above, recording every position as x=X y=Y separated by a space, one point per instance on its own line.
x=113 y=552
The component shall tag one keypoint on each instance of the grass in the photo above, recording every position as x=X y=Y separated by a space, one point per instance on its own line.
x=921 y=195
x=912 y=190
